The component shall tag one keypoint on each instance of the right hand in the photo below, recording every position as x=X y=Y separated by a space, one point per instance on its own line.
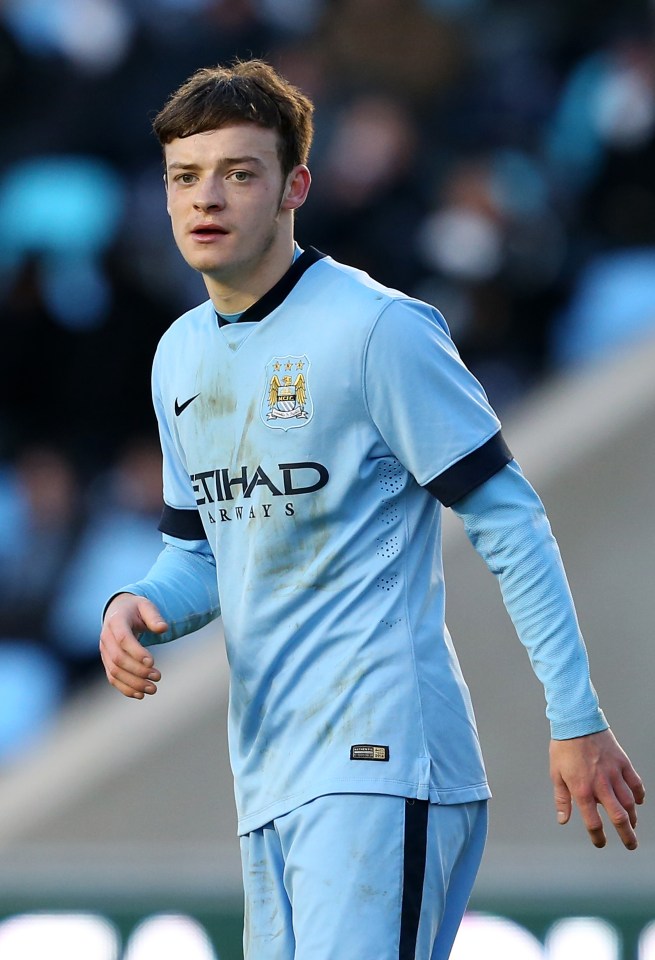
x=130 y=666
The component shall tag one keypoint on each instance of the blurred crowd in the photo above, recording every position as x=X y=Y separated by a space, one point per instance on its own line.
x=493 y=157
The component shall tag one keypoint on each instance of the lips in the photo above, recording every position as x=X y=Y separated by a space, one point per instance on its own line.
x=206 y=231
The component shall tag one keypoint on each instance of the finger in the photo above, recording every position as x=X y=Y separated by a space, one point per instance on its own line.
x=130 y=691
x=587 y=803
x=121 y=650
x=592 y=821
x=123 y=666
x=619 y=817
x=127 y=690
x=562 y=801
x=635 y=783
x=151 y=617
x=128 y=684
x=625 y=797
x=118 y=639
x=120 y=666
x=129 y=616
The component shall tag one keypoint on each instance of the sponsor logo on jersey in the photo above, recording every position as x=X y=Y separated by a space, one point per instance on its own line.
x=289 y=479
x=286 y=401
x=231 y=487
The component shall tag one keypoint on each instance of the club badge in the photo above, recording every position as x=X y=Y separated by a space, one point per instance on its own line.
x=286 y=402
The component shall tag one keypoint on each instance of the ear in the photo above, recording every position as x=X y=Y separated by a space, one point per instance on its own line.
x=297 y=188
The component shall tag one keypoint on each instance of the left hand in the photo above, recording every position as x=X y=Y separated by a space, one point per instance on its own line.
x=594 y=770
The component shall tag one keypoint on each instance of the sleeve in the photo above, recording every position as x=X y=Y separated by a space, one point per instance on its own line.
x=428 y=407
x=507 y=524
x=183 y=586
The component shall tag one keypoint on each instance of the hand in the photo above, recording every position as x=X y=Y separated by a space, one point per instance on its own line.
x=130 y=666
x=594 y=770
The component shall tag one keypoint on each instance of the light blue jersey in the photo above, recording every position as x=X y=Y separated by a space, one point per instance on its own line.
x=312 y=443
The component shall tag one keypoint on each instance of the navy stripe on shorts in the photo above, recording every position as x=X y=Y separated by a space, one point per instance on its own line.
x=416 y=841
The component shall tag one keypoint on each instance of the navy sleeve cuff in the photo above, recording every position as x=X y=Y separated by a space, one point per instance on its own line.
x=184 y=524
x=471 y=471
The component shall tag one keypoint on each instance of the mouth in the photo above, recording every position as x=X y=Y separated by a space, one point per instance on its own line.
x=208 y=231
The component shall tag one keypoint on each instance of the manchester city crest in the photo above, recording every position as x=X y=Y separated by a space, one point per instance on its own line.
x=286 y=402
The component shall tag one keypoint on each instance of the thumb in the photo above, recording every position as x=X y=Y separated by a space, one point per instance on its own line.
x=151 y=617
x=562 y=801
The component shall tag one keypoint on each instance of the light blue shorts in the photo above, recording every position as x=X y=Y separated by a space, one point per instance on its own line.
x=361 y=877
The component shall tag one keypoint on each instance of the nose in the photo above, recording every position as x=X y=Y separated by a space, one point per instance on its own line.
x=209 y=195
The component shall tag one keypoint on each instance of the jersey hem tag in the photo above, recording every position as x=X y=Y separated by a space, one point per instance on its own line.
x=368 y=751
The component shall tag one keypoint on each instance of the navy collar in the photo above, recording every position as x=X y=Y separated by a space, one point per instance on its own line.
x=279 y=292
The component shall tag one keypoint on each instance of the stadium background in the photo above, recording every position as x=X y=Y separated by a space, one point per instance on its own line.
x=495 y=158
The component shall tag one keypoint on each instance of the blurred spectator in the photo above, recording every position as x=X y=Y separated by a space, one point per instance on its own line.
x=93 y=34
x=607 y=103
x=32 y=691
x=397 y=47
x=119 y=542
x=66 y=210
x=602 y=148
x=497 y=250
x=613 y=305
x=47 y=519
x=366 y=196
x=58 y=564
x=49 y=516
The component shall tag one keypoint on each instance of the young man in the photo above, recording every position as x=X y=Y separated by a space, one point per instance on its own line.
x=312 y=423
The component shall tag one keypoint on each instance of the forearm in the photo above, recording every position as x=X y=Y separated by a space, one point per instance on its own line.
x=506 y=522
x=182 y=585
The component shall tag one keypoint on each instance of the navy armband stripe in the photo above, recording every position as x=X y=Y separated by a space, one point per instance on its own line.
x=471 y=471
x=183 y=524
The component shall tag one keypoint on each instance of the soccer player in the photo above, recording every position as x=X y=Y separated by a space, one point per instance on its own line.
x=313 y=422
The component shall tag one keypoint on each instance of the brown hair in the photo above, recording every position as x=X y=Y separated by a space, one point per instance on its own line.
x=249 y=91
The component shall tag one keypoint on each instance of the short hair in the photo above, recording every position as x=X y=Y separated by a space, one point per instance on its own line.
x=247 y=91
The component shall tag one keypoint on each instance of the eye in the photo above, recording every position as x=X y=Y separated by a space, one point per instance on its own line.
x=185 y=178
x=241 y=176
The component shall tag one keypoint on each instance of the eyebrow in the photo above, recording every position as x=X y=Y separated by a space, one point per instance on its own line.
x=225 y=162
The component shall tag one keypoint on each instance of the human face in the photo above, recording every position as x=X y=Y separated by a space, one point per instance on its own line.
x=230 y=207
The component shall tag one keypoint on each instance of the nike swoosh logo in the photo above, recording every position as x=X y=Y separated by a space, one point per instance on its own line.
x=180 y=407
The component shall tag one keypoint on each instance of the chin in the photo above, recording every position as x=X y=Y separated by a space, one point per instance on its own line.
x=209 y=265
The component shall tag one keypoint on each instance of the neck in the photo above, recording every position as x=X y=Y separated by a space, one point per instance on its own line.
x=248 y=282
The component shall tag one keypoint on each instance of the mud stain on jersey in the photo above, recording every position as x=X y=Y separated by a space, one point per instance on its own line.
x=220 y=401
x=217 y=397
x=245 y=449
x=342 y=717
x=297 y=564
